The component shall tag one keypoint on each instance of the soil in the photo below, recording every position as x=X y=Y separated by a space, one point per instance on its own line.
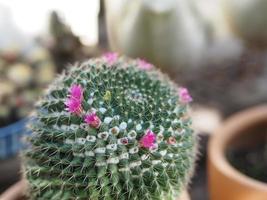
x=250 y=161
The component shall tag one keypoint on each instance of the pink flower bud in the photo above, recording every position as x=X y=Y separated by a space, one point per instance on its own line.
x=110 y=57
x=93 y=120
x=184 y=95
x=144 y=65
x=148 y=140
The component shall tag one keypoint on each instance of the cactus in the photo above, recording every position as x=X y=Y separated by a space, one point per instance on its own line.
x=111 y=128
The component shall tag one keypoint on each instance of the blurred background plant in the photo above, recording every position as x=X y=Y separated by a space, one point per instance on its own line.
x=163 y=32
x=23 y=74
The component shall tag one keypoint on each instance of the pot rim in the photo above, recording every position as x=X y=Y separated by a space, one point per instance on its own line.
x=224 y=134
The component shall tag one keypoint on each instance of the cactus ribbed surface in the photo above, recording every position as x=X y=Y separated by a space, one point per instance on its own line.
x=110 y=128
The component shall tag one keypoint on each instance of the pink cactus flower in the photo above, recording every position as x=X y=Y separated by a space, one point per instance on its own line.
x=144 y=65
x=148 y=140
x=111 y=57
x=74 y=102
x=76 y=92
x=184 y=95
x=93 y=120
x=73 y=106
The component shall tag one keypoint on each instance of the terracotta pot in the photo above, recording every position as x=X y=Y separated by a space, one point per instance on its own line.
x=226 y=182
x=16 y=192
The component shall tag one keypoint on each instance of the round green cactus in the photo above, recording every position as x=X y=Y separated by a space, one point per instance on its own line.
x=111 y=128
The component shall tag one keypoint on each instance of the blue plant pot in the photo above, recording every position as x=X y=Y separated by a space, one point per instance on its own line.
x=10 y=138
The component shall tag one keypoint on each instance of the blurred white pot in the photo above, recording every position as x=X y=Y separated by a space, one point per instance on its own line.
x=167 y=33
x=248 y=19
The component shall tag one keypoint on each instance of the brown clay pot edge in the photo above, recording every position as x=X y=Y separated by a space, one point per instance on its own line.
x=224 y=179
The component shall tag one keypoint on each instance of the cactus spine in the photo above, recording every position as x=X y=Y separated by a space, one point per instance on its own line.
x=110 y=128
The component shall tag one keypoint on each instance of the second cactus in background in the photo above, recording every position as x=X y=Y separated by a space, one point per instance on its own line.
x=169 y=33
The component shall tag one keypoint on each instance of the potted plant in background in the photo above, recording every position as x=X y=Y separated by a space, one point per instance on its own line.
x=171 y=34
x=110 y=128
x=23 y=74
x=237 y=157
x=65 y=46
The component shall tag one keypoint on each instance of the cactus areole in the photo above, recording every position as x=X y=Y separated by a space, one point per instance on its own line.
x=110 y=129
